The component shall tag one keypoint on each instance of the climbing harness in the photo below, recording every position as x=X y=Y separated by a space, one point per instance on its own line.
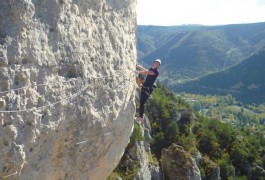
x=139 y=81
x=146 y=90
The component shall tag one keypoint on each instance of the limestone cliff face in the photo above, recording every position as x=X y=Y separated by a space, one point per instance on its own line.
x=71 y=114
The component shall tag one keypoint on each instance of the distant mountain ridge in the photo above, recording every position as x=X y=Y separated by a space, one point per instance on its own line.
x=245 y=81
x=192 y=51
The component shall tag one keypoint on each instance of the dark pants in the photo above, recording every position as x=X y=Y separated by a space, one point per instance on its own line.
x=145 y=93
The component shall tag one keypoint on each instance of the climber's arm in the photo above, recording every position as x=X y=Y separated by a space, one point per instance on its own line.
x=140 y=67
x=145 y=71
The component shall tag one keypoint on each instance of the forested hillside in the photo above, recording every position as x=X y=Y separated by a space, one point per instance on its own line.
x=237 y=152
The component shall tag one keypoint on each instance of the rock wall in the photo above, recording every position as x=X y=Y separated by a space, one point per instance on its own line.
x=148 y=170
x=141 y=153
x=66 y=88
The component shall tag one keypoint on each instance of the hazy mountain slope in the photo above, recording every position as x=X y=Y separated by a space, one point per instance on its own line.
x=150 y=38
x=245 y=81
x=191 y=51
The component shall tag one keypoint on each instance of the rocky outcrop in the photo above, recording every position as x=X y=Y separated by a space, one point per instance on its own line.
x=177 y=164
x=259 y=172
x=138 y=163
x=66 y=92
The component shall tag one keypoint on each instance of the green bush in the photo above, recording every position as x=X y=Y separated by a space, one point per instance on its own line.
x=136 y=135
x=226 y=169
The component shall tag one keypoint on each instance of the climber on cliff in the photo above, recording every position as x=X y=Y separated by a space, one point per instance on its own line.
x=148 y=84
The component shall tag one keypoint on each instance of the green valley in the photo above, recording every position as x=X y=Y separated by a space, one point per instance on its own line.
x=245 y=81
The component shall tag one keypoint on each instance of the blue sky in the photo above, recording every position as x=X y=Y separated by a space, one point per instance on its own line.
x=205 y=12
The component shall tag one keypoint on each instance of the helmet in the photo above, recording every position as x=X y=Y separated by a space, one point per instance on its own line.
x=158 y=60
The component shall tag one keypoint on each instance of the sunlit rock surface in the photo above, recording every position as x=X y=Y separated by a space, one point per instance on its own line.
x=72 y=116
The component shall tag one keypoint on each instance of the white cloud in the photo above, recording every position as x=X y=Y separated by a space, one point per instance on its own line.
x=260 y=2
x=208 y=12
